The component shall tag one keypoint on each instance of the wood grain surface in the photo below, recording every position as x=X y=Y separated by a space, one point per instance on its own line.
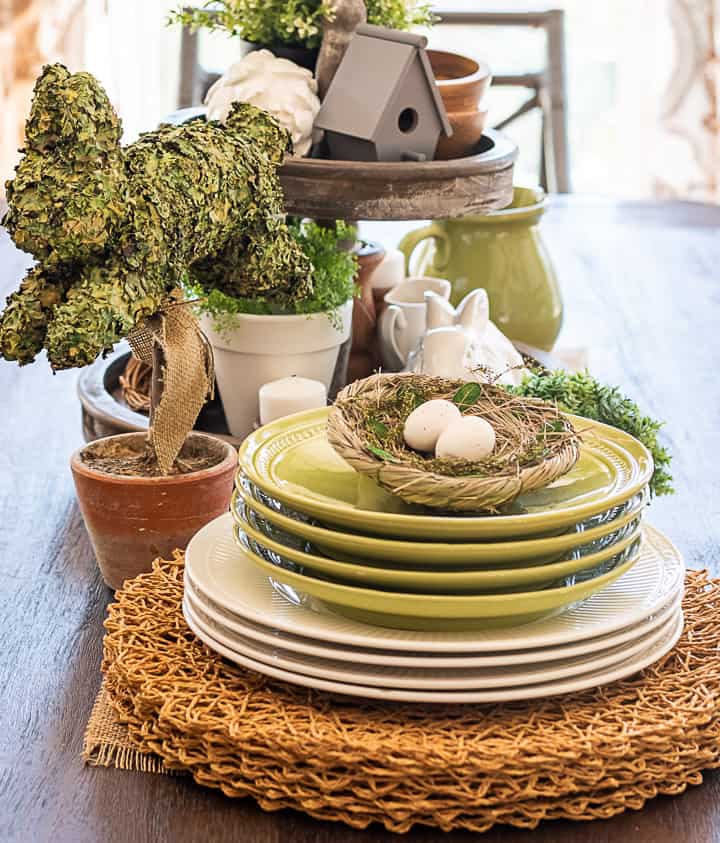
x=642 y=290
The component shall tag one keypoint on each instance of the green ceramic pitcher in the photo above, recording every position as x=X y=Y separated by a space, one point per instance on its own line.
x=503 y=252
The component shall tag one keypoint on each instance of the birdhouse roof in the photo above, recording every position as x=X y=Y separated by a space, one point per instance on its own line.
x=376 y=62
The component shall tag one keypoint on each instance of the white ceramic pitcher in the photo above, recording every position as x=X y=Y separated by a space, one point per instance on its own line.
x=403 y=322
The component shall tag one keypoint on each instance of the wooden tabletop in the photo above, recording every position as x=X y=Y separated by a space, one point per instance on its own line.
x=642 y=290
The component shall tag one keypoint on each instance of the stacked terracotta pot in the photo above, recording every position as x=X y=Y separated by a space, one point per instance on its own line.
x=463 y=82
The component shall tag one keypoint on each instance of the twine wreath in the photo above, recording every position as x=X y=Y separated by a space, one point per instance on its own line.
x=135 y=384
x=582 y=756
x=536 y=444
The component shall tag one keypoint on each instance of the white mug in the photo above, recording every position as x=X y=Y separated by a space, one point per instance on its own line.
x=402 y=323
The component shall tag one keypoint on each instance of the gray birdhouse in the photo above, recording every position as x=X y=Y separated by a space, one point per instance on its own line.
x=383 y=103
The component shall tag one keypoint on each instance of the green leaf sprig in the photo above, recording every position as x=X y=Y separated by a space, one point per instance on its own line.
x=467 y=395
x=296 y=22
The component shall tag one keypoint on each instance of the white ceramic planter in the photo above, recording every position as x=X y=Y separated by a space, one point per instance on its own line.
x=259 y=349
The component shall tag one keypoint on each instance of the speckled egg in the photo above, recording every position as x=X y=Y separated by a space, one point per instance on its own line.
x=467 y=438
x=425 y=424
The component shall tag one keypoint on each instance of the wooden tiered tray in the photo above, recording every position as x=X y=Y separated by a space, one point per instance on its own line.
x=370 y=190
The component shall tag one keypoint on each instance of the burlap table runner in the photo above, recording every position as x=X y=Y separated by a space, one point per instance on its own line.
x=170 y=704
x=108 y=744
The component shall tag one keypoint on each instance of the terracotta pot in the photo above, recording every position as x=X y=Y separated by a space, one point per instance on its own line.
x=462 y=82
x=133 y=520
x=364 y=353
x=468 y=127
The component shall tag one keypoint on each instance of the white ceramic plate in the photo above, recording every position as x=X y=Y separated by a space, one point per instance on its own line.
x=277 y=638
x=584 y=681
x=428 y=678
x=219 y=571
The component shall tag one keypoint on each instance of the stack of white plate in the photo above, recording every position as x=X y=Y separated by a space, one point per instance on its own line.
x=260 y=623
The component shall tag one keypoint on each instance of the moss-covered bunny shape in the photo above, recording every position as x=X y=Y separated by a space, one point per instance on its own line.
x=114 y=230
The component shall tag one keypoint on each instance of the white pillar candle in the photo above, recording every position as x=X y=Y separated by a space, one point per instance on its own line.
x=290 y=395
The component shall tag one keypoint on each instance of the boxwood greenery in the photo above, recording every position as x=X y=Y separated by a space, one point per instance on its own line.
x=584 y=395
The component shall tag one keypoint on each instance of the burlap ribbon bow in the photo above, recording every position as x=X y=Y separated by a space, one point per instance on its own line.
x=183 y=376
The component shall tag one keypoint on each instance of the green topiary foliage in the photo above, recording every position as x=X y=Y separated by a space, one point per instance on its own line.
x=333 y=280
x=115 y=230
x=28 y=311
x=66 y=198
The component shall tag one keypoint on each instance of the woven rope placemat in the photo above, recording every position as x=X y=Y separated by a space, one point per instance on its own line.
x=581 y=756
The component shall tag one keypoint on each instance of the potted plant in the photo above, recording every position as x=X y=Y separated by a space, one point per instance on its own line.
x=292 y=30
x=264 y=337
x=113 y=230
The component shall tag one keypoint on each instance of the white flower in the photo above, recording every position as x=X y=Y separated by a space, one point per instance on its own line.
x=281 y=87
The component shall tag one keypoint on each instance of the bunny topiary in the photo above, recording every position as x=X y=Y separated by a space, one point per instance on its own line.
x=115 y=230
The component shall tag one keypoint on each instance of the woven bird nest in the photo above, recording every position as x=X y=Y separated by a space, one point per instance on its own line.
x=535 y=443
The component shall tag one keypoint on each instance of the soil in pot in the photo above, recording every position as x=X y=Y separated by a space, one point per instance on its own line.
x=134 y=517
x=133 y=458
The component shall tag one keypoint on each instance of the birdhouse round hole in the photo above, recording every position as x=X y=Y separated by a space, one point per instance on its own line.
x=407 y=120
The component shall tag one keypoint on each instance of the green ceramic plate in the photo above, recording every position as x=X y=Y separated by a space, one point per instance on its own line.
x=411 y=554
x=291 y=460
x=401 y=610
x=265 y=540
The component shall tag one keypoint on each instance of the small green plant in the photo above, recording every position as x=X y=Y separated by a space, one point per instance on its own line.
x=297 y=22
x=582 y=394
x=333 y=279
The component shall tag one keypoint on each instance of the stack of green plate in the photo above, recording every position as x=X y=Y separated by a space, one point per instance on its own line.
x=318 y=529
